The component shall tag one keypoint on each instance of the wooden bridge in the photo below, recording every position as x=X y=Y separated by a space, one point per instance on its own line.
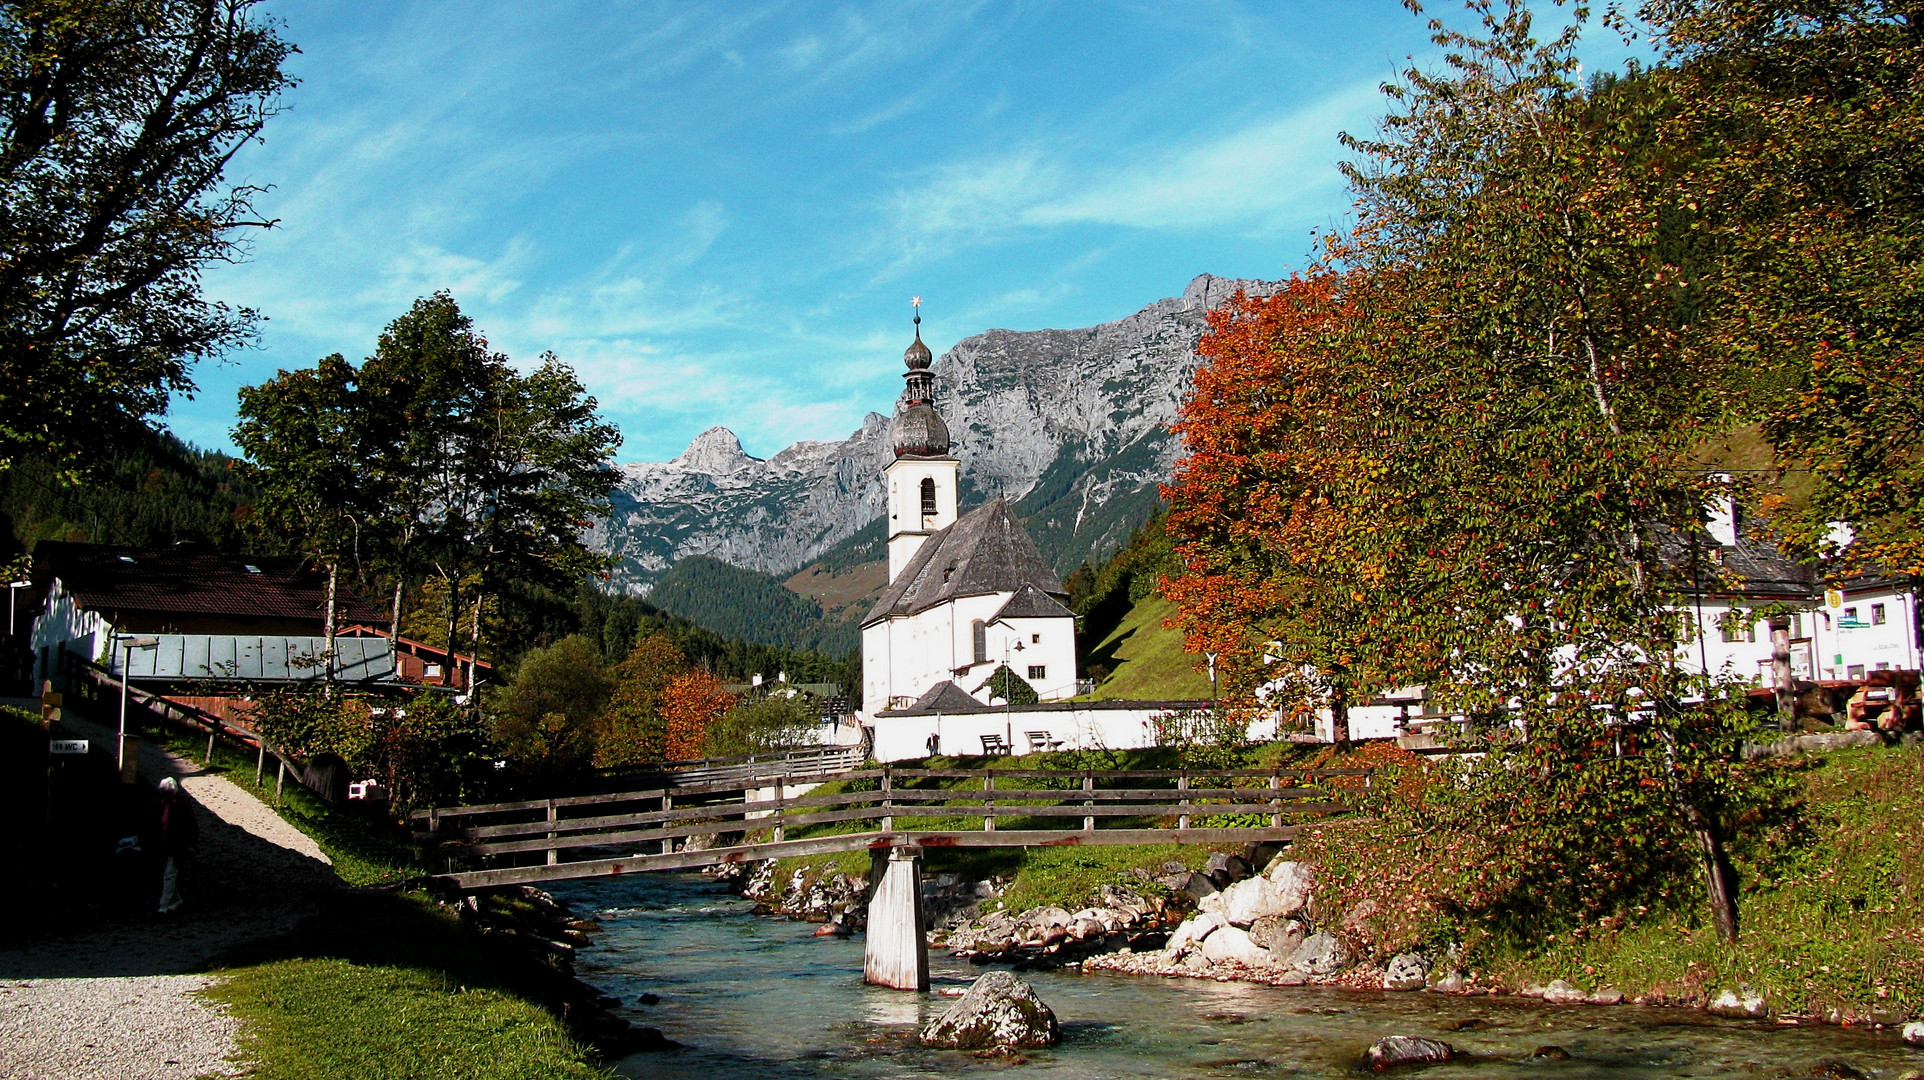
x=894 y=814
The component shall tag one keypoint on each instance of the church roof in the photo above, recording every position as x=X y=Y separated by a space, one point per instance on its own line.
x=986 y=551
x=1030 y=602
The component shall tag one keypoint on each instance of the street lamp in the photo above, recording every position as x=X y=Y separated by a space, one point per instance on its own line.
x=127 y=647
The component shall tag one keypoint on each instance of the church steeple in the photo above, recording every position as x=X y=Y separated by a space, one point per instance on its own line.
x=922 y=478
x=919 y=430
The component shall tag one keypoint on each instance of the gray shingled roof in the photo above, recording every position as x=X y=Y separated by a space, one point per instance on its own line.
x=944 y=697
x=1030 y=602
x=986 y=551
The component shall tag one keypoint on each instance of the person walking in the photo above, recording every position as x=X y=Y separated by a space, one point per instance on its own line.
x=179 y=836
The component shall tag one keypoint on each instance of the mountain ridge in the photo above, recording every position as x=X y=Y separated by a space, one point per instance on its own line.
x=1070 y=425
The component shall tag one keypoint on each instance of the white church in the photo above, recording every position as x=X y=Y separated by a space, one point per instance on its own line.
x=968 y=594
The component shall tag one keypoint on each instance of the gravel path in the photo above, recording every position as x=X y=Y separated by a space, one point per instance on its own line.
x=118 y=1000
x=151 y=1027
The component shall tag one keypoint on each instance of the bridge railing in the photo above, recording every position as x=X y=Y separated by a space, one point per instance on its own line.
x=693 y=825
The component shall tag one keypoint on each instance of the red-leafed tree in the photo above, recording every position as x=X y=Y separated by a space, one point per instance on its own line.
x=692 y=702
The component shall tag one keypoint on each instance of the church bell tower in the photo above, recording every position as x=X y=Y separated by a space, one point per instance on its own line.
x=922 y=478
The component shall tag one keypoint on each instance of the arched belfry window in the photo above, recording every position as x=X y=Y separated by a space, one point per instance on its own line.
x=928 y=495
x=981 y=641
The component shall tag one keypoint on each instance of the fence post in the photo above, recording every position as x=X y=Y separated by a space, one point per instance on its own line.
x=780 y=831
x=988 y=803
x=1182 y=784
x=554 y=854
x=667 y=804
x=280 y=777
x=1276 y=797
x=888 y=804
x=211 y=732
x=1089 y=784
x=260 y=761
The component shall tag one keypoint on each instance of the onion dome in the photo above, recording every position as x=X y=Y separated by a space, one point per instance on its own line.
x=918 y=357
x=920 y=432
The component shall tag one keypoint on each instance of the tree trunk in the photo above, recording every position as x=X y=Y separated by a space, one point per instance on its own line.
x=394 y=627
x=1339 y=714
x=1780 y=675
x=453 y=669
x=1719 y=879
x=474 y=639
x=328 y=627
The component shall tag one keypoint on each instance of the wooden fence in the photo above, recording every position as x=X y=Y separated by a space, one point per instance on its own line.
x=679 y=827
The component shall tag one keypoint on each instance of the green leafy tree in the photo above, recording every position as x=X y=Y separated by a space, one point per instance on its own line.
x=1010 y=687
x=545 y=720
x=779 y=721
x=117 y=122
x=302 y=435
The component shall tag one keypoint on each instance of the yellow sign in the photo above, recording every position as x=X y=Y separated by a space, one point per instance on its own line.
x=1833 y=598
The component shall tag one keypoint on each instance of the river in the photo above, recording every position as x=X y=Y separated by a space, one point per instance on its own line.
x=762 y=998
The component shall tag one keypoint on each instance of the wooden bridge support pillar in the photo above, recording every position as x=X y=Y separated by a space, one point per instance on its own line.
x=898 y=950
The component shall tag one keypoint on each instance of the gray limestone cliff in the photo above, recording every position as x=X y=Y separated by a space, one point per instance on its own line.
x=1070 y=425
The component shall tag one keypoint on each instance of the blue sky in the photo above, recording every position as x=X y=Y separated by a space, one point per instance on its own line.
x=718 y=212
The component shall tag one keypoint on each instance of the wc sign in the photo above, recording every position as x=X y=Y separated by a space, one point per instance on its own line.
x=67 y=746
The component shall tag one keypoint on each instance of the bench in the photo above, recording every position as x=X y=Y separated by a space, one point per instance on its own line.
x=994 y=745
x=1040 y=740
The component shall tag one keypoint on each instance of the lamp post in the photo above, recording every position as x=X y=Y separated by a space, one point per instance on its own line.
x=127 y=647
x=1008 y=691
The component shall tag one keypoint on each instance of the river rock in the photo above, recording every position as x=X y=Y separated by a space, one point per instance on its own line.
x=1193 y=931
x=1406 y=1050
x=1320 y=954
x=1742 y=1002
x=1407 y=971
x=1224 y=868
x=999 y=1010
x=1914 y=1033
x=1609 y=995
x=1451 y=982
x=1296 y=878
x=1247 y=901
x=1560 y=992
x=1231 y=944
x=1279 y=935
x=1198 y=887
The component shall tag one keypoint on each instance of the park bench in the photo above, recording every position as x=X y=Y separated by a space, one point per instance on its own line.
x=994 y=745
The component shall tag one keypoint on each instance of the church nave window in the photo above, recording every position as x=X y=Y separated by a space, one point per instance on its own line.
x=981 y=632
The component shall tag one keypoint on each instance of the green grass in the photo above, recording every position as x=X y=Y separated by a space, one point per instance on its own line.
x=328 y=1019
x=1829 y=913
x=390 y=985
x=366 y=850
x=1146 y=661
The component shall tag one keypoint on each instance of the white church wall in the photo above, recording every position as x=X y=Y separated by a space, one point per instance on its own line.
x=1047 y=644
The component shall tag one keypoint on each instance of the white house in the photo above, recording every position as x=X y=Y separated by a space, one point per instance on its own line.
x=968 y=593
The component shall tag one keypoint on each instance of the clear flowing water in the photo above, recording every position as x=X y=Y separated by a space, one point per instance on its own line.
x=763 y=998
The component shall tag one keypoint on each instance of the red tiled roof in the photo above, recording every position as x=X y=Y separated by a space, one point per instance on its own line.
x=195 y=581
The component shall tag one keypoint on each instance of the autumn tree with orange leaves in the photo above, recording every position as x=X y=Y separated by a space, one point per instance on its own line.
x=692 y=702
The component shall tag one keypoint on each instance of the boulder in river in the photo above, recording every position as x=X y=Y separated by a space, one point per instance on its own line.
x=1232 y=944
x=1609 y=995
x=1258 y=897
x=1406 y=1050
x=1560 y=992
x=1450 y=982
x=1742 y=1002
x=1407 y=971
x=1914 y=1033
x=1194 y=931
x=1279 y=935
x=999 y=1010
x=1320 y=954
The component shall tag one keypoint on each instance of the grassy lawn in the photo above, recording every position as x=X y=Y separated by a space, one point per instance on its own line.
x=390 y=985
x=1829 y=912
x=1147 y=662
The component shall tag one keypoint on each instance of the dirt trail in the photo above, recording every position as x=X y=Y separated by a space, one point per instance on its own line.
x=119 y=1000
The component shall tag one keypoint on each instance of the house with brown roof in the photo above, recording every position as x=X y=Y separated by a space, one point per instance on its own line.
x=212 y=616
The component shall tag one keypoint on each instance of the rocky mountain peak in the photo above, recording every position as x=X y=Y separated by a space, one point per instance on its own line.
x=716 y=452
